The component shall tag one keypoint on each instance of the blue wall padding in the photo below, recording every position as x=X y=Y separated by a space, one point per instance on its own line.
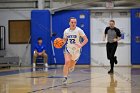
x=60 y=21
x=135 y=31
x=40 y=27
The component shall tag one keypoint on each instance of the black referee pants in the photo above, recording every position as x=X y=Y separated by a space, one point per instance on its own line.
x=111 y=49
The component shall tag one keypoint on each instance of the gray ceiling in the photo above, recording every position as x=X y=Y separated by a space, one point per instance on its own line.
x=102 y=3
x=86 y=4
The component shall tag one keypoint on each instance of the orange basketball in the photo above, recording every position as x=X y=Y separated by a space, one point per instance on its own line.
x=58 y=43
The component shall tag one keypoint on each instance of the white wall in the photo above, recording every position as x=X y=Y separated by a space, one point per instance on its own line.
x=98 y=47
x=16 y=49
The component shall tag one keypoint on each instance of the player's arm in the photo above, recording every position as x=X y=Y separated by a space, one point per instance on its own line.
x=82 y=34
x=118 y=35
x=65 y=37
x=85 y=40
x=105 y=34
x=83 y=43
x=64 y=40
x=117 y=39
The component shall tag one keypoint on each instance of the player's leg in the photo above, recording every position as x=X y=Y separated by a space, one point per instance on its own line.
x=34 y=59
x=108 y=50
x=74 y=60
x=45 y=56
x=113 y=50
x=72 y=66
x=67 y=57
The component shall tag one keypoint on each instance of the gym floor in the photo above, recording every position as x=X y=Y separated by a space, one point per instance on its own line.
x=82 y=80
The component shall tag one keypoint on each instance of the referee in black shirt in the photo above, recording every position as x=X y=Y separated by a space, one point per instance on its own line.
x=113 y=35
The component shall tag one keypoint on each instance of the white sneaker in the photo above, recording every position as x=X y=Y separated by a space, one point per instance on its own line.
x=46 y=65
x=65 y=81
x=46 y=69
x=34 y=69
x=34 y=65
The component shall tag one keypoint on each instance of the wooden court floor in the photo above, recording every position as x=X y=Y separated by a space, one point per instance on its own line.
x=82 y=80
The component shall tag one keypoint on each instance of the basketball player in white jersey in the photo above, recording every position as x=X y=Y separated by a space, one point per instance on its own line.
x=72 y=37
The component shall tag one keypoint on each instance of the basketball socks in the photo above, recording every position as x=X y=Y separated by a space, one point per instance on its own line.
x=110 y=71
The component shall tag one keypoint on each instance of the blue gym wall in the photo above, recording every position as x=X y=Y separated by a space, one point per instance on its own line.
x=135 y=32
x=40 y=26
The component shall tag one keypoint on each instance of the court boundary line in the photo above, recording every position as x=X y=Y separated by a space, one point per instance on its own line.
x=55 y=86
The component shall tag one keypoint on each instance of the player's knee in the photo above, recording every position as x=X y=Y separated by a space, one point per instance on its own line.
x=67 y=60
x=67 y=63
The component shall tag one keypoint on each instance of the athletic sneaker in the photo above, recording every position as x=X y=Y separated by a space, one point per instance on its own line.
x=46 y=65
x=34 y=69
x=34 y=65
x=110 y=72
x=115 y=60
x=46 y=69
x=65 y=80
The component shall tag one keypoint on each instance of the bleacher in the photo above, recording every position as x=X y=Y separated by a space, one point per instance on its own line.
x=4 y=60
x=7 y=62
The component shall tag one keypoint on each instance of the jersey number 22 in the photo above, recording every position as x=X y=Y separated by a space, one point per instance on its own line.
x=72 y=41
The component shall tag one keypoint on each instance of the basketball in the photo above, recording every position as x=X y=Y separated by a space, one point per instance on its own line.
x=58 y=43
